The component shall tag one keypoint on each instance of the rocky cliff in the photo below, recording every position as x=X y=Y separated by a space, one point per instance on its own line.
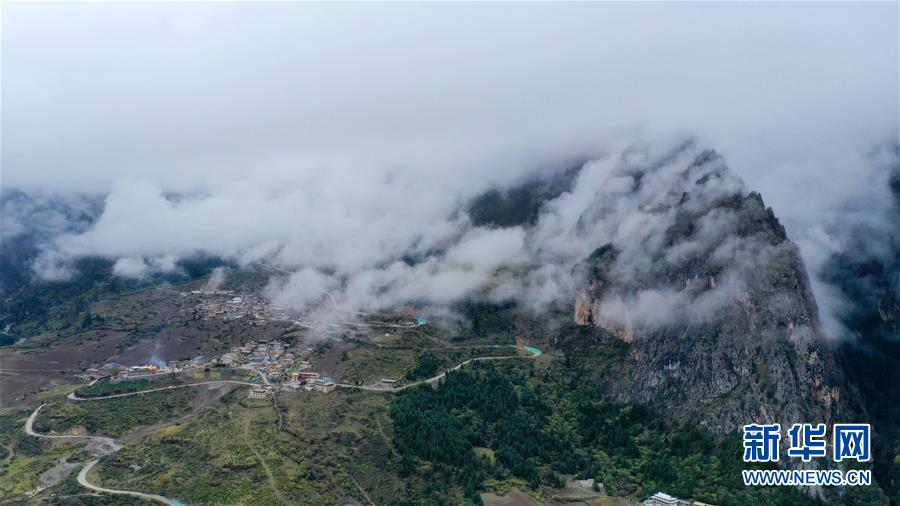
x=699 y=278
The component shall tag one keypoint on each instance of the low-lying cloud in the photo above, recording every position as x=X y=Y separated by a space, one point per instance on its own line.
x=352 y=258
x=341 y=142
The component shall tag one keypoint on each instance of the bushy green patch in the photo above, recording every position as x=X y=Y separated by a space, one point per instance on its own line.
x=427 y=365
x=541 y=425
x=68 y=301
x=106 y=387
x=366 y=364
x=213 y=460
x=29 y=458
x=319 y=449
x=117 y=416
x=7 y=428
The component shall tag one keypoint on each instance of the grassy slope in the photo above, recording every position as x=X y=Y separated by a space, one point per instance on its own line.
x=115 y=417
x=24 y=458
x=330 y=445
x=367 y=364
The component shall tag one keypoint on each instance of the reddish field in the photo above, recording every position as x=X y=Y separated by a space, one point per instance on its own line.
x=25 y=373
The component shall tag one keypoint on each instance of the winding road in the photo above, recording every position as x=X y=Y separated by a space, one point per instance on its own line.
x=531 y=349
x=82 y=480
x=82 y=475
x=29 y=429
x=73 y=397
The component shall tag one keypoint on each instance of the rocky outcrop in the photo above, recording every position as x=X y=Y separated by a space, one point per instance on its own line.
x=584 y=307
x=700 y=278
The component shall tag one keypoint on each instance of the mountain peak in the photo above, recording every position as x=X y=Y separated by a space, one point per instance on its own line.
x=701 y=281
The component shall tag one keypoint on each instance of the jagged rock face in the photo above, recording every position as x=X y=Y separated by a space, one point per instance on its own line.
x=700 y=278
x=584 y=305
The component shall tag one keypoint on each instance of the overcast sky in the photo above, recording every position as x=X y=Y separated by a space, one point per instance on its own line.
x=361 y=105
x=187 y=94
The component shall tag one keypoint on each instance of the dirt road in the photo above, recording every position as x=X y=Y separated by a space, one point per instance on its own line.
x=29 y=429
x=73 y=397
x=82 y=475
x=534 y=353
x=108 y=445
x=82 y=480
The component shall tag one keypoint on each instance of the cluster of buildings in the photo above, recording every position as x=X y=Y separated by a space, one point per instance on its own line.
x=311 y=382
x=273 y=360
x=94 y=374
x=117 y=372
x=228 y=305
x=147 y=371
x=662 y=499
x=266 y=357
x=260 y=392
